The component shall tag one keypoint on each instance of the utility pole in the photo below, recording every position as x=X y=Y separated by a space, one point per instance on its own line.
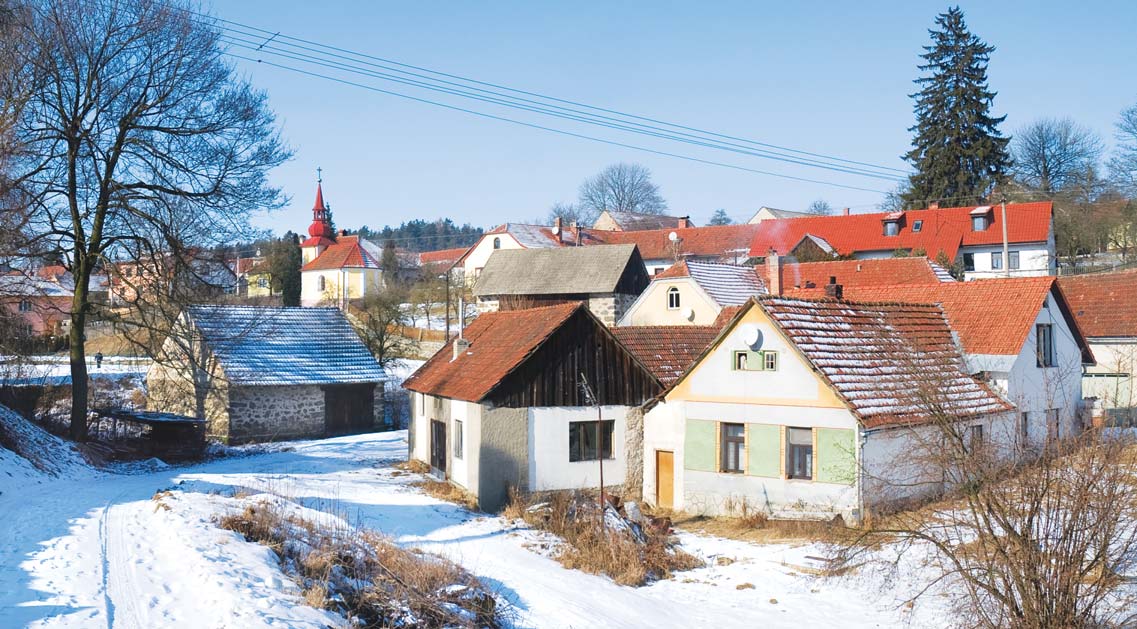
x=1006 y=247
x=591 y=400
x=445 y=277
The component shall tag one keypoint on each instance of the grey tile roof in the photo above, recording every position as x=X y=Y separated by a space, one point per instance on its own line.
x=531 y=236
x=727 y=284
x=274 y=346
x=565 y=270
x=633 y=221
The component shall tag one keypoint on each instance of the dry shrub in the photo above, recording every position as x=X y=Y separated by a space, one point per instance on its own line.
x=760 y=528
x=445 y=490
x=630 y=554
x=413 y=465
x=365 y=577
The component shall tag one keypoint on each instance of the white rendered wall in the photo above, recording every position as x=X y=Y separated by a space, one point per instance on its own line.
x=477 y=257
x=549 y=465
x=1034 y=260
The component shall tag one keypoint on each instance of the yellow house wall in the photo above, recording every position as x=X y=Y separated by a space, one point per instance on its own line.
x=357 y=282
x=651 y=307
x=482 y=251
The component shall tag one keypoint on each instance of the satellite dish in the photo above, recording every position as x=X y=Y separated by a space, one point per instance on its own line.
x=689 y=313
x=752 y=336
x=673 y=236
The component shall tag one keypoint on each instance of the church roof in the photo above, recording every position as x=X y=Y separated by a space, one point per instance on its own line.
x=345 y=253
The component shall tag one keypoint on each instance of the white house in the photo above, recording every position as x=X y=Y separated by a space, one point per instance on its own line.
x=808 y=409
x=504 y=405
x=337 y=268
x=1020 y=336
x=1105 y=306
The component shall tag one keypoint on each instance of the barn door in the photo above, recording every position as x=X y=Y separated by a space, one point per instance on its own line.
x=438 y=446
x=664 y=479
x=349 y=408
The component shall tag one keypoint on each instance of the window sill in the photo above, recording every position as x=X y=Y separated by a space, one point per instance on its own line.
x=612 y=460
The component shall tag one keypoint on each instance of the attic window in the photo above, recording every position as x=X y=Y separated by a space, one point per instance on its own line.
x=891 y=228
x=746 y=360
x=322 y=284
x=917 y=225
x=497 y=243
x=673 y=298
x=978 y=223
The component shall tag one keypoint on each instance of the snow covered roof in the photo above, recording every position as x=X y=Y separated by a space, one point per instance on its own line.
x=634 y=221
x=20 y=285
x=667 y=350
x=258 y=346
x=727 y=284
x=892 y=363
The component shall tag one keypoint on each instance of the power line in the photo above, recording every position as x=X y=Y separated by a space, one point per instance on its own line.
x=550 y=129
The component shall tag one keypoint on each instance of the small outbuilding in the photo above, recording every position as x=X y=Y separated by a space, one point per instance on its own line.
x=607 y=277
x=505 y=406
x=267 y=374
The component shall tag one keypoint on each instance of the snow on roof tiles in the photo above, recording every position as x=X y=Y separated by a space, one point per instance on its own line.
x=280 y=346
x=667 y=350
x=893 y=363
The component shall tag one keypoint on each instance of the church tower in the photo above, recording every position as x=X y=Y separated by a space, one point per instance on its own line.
x=321 y=234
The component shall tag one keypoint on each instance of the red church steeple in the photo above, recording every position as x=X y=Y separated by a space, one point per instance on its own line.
x=320 y=231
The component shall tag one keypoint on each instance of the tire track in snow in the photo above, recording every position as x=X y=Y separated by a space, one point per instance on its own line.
x=107 y=603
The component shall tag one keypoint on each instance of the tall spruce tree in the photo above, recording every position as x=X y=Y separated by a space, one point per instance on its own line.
x=957 y=150
x=287 y=268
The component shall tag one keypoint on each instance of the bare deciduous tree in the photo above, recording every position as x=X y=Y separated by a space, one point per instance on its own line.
x=620 y=188
x=820 y=207
x=571 y=214
x=1123 y=164
x=377 y=319
x=135 y=119
x=1052 y=154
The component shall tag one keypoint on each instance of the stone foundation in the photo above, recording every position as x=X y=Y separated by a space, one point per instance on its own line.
x=275 y=413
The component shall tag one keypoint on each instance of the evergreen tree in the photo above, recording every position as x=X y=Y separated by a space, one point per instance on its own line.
x=390 y=263
x=720 y=218
x=284 y=262
x=957 y=150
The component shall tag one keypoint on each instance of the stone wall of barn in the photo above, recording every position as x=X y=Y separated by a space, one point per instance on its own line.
x=609 y=307
x=634 y=454
x=275 y=413
x=171 y=389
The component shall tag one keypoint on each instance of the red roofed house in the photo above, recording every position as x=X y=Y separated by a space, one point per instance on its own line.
x=1020 y=336
x=503 y=406
x=1105 y=306
x=813 y=408
x=337 y=268
x=971 y=236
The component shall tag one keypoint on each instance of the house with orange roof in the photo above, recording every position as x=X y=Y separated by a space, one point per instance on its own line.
x=337 y=268
x=1020 y=336
x=969 y=236
x=814 y=408
x=1105 y=307
x=505 y=405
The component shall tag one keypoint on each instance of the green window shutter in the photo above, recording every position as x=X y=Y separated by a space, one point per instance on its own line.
x=699 y=446
x=763 y=450
x=836 y=458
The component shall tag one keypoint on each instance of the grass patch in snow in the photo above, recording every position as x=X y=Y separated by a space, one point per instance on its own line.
x=445 y=490
x=619 y=547
x=761 y=529
x=362 y=575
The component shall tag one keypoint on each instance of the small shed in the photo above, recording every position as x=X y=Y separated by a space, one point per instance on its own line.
x=146 y=434
x=268 y=374
x=607 y=277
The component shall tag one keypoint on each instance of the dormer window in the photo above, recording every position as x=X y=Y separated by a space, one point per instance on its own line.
x=917 y=225
x=673 y=298
x=891 y=228
x=981 y=218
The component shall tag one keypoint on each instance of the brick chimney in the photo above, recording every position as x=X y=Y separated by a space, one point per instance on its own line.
x=833 y=290
x=558 y=229
x=774 y=273
x=684 y=222
x=461 y=345
x=934 y=205
x=844 y=211
x=576 y=232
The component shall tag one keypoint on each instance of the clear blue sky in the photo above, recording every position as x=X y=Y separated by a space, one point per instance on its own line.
x=832 y=78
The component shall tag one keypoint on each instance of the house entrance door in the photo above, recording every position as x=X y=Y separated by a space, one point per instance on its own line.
x=438 y=446
x=664 y=479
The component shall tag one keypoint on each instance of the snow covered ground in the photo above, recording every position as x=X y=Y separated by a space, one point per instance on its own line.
x=98 y=550
x=56 y=370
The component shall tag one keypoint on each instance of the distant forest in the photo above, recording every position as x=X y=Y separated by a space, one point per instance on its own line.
x=420 y=235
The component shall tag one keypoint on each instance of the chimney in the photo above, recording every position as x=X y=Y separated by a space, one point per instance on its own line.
x=576 y=232
x=833 y=290
x=934 y=205
x=684 y=222
x=460 y=347
x=844 y=211
x=558 y=229
x=773 y=273
x=343 y=232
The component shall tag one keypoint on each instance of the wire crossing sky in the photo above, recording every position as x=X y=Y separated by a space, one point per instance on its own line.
x=730 y=105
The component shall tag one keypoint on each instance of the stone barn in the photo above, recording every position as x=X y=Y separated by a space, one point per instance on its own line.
x=267 y=374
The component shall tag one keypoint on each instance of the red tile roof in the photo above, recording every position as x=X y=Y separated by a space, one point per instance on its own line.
x=943 y=229
x=883 y=272
x=445 y=257
x=667 y=350
x=726 y=242
x=499 y=343
x=893 y=364
x=993 y=316
x=1104 y=304
x=345 y=253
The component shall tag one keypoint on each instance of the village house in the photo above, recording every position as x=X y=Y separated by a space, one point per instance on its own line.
x=519 y=236
x=1105 y=307
x=337 y=268
x=661 y=248
x=267 y=374
x=149 y=276
x=812 y=409
x=1017 y=334
x=607 y=278
x=969 y=236
x=504 y=406
x=769 y=213
x=610 y=221
x=695 y=293
x=442 y=261
x=38 y=305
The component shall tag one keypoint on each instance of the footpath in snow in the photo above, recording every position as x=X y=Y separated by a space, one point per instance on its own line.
x=100 y=551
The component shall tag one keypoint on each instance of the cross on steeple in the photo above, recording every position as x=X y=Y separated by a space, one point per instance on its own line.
x=319 y=175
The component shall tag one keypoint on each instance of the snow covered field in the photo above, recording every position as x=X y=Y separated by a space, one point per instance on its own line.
x=98 y=551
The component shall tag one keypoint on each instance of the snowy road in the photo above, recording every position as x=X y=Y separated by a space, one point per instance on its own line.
x=102 y=552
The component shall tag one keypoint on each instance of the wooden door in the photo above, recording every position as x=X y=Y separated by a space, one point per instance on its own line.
x=438 y=446
x=664 y=479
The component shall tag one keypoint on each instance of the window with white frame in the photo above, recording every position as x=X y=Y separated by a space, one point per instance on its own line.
x=891 y=228
x=799 y=453
x=746 y=360
x=770 y=361
x=1013 y=260
x=996 y=260
x=732 y=441
x=459 y=439
x=979 y=223
x=673 y=298
x=917 y=225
